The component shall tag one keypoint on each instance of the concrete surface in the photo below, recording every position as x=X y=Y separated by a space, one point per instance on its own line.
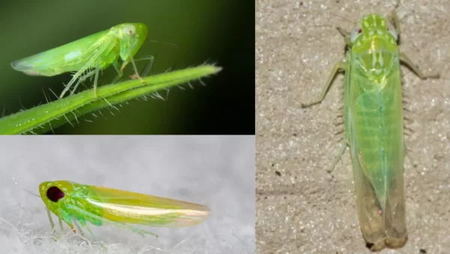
x=302 y=208
x=217 y=171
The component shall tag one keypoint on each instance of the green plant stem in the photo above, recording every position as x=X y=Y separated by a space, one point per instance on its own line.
x=44 y=117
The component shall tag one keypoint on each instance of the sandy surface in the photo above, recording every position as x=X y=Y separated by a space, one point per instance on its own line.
x=302 y=208
x=217 y=171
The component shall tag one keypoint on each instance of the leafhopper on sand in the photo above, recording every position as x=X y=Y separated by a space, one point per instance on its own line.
x=77 y=204
x=373 y=118
x=87 y=56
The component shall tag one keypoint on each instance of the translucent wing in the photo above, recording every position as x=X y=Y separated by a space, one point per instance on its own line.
x=130 y=207
x=66 y=58
x=376 y=140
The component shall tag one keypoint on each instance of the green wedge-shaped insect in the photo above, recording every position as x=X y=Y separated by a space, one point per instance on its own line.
x=374 y=127
x=79 y=204
x=87 y=56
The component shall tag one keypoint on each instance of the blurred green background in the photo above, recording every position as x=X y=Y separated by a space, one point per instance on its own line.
x=187 y=33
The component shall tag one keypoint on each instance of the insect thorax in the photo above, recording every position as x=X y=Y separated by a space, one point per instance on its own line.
x=75 y=206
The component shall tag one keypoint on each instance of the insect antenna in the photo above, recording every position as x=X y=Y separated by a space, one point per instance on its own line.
x=164 y=43
x=31 y=193
x=344 y=19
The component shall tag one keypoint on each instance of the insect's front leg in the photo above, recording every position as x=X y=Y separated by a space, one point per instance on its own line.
x=404 y=59
x=52 y=225
x=136 y=72
x=346 y=35
x=338 y=67
x=148 y=66
x=119 y=72
x=394 y=20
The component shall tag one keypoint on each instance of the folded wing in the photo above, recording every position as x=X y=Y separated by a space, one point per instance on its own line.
x=130 y=207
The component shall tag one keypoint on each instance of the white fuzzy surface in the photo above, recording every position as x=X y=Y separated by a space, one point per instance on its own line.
x=217 y=171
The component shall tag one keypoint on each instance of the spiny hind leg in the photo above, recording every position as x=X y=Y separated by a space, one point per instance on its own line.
x=338 y=67
x=338 y=156
x=81 y=80
x=404 y=59
x=72 y=81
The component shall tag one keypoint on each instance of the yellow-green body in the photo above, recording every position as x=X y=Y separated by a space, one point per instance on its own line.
x=374 y=126
x=374 y=131
x=79 y=204
x=87 y=55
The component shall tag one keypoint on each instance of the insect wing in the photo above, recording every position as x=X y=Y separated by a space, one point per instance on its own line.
x=68 y=57
x=130 y=207
x=375 y=133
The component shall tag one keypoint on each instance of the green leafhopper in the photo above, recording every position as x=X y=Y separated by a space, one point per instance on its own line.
x=87 y=56
x=373 y=117
x=77 y=204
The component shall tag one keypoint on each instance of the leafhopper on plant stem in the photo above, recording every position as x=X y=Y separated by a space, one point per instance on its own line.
x=77 y=204
x=373 y=118
x=87 y=56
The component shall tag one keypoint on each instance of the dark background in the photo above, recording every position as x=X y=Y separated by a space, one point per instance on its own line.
x=188 y=33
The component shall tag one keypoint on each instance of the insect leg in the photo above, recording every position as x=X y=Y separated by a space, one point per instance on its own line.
x=140 y=231
x=52 y=225
x=119 y=72
x=148 y=66
x=77 y=228
x=338 y=67
x=393 y=18
x=75 y=77
x=136 y=72
x=338 y=157
x=79 y=233
x=81 y=80
x=346 y=35
x=404 y=59
x=60 y=224
x=96 y=80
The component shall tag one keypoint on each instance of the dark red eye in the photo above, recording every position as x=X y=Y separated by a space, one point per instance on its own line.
x=359 y=30
x=55 y=194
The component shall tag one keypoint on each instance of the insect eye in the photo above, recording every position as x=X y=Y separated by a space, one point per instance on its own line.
x=359 y=31
x=54 y=194
x=130 y=31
